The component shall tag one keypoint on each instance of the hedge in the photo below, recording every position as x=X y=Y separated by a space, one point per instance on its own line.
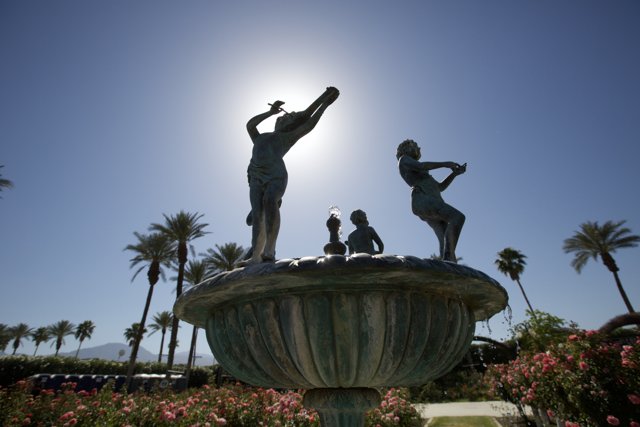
x=16 y=368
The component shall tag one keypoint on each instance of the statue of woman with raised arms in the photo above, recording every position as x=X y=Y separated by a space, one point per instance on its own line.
x=267 y=172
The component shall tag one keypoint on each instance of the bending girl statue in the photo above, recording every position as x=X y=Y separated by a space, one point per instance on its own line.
x=267 y=172
x=426 y=200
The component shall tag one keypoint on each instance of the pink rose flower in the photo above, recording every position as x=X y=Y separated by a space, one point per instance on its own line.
x=634 y=398
x=613 y=420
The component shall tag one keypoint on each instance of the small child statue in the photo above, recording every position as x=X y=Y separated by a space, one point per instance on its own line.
x=362 y=238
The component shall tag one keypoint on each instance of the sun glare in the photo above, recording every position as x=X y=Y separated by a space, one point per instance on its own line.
x=297 y=95
x=298 y=84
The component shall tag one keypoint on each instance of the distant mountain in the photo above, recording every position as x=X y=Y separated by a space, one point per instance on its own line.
x=112 y=351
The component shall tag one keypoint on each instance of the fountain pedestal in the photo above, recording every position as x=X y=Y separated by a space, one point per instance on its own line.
x=340 y=326
x=342 y=406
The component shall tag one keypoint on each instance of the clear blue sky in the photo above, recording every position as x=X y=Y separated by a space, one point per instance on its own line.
x=113 y=113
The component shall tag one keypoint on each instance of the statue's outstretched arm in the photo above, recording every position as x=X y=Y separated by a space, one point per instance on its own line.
x=458 y=170
x=437 y=165
x=313 y=113
x=252 y=124
x=330 y=94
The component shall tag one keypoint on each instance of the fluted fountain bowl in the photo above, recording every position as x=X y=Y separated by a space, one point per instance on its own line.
x=342 y=322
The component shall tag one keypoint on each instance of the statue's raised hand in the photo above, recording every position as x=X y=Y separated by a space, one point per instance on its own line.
x=460 y=169
x=275 y=107
x=332 y=94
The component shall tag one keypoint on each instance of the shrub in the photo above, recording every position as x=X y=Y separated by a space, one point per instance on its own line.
x=16 y=368
x=394 y=410
x=585 y=380
x=460 y=384
x=234 y=405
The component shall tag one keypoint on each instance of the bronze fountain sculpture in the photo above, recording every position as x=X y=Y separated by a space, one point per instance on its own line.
x=338 y=326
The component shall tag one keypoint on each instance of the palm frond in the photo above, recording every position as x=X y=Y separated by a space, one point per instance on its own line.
x=181 y=227
x=195 y=272
x=593 y=240
x=4 y=183
x=84 y=330
x=150 y=248
x=161 y=320
x=40 y=335
x=511 y=262
x=224 y=258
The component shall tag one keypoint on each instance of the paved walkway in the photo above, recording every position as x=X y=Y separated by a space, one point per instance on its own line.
x=461 y=409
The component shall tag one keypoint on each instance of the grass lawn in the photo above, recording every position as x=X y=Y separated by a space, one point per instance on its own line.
x=462 y=422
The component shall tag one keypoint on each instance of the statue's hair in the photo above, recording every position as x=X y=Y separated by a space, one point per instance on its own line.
x=407 y=146
x=359 y=217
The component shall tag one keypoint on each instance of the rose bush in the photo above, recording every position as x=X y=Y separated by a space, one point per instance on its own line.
x=233 y=405
x=394 y=410
x=586 y=380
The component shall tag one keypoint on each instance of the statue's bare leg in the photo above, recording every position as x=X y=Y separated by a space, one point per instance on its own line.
x=439 y=228
x=452 y=234
x=271 y=202
x=258 y=232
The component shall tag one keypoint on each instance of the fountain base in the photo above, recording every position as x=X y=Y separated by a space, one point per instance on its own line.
x=339 y=407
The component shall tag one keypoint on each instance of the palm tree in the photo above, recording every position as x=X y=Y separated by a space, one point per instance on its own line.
x=161 y=322
x=39 y=336
x=132 y=332
x=4 y=183
x=194 y=273
x=223 y=258
x=18 y=332
x=594 y=240
x=154 y=251
x=511 y=263
x=5 y=337
x=181 y=229
x=84 y=331
x=59 y=330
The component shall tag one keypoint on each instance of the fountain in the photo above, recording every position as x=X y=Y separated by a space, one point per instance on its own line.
x=340 y=326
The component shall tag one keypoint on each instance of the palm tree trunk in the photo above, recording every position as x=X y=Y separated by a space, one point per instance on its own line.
x=175 y=325
x=533 y=314
x=36 y=350
x=58 y=345
x=623 y=294
x=192 y=352
x=78 y=350
x=138 y=338
x=164 y=331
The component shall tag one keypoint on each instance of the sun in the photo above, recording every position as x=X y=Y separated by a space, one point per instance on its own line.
x=248 y=92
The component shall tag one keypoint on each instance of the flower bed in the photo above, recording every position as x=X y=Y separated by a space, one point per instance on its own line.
x=231 y=406
x=584 y=381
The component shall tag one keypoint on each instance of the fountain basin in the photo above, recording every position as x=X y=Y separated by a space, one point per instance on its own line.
x=338 y=321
